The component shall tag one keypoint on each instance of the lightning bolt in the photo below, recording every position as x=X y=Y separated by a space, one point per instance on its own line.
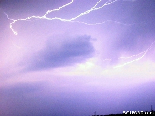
x=61 y=19
x=137 y=59
x=139 y=55
x=73 y=20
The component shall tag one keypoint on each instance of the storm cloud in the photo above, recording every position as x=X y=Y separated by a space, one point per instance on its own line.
x=54 y=66
x=76 y=50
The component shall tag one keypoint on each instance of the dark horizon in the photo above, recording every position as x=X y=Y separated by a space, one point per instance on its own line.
x=151 y=111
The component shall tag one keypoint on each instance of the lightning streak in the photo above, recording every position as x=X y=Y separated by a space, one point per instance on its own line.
x=57 y=18
x=74 y=20
x=139 y=55
x=133 y=55
x=143 y=54
x=100 y=23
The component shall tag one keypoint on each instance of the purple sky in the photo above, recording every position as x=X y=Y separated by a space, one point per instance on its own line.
x=78 y=58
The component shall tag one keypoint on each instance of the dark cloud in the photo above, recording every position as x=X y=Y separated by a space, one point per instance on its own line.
x=136 y=38
x=71 y=51
x=144 y=13
x=17 y=9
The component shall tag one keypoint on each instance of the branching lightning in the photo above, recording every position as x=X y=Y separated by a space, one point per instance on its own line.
x=73 y=20
x=61 y=19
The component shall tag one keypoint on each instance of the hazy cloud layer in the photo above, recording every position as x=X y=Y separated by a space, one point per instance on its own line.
x=33 y=99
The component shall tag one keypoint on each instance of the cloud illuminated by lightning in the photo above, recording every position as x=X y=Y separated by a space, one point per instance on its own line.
x=73 y=19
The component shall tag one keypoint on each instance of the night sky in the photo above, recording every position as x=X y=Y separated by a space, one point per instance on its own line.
x=72 y=58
